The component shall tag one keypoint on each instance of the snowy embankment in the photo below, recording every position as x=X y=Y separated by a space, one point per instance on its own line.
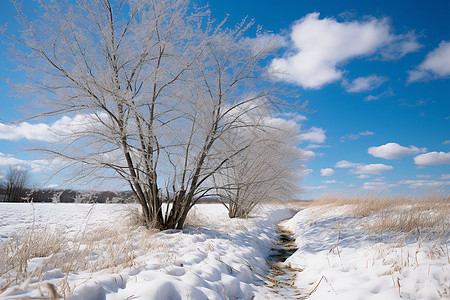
x=341 y=259
x=99 y=256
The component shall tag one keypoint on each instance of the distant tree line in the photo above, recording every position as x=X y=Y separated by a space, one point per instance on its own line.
x=16 y=187
x=69 y=196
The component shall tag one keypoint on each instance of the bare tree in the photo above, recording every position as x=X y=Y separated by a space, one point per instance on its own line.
x=148 y=89
x=17 y=181
x=2 y=190
x=266 y=170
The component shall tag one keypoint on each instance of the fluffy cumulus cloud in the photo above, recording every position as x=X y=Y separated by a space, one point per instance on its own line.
x=432 y=159
x=36 y=165
x=364 y=84
x=319 y=46
x=307 y=154
x=363 y=170
x=25 y=130
x=436 y=64
x=56 y=131
x=327 y=172
x=313 y=135
x=394 y=151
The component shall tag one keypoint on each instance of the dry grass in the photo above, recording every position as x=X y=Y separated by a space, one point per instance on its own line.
x=404 y=229
x=194 y=219
x=401 y=214
x=18 y=250
x=113 y=248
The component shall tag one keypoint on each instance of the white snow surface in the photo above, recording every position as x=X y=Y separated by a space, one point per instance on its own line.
x=222 y=258
x=340 y=260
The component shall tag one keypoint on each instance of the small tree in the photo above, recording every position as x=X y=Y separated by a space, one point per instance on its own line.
x=264 y=171
x=17 y=181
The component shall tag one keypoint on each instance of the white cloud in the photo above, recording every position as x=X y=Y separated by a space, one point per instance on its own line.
x=57 y=131
x=446 y=142
x=394 y=151
x=424 y=183
x=432 y=159
x=315 y=146
x=363 y=84
x=377 y=185
x=319 y=46
x=329 y=181
x=362 y=169
x=423 y=176
x=307 y=154
x=372 y=169
x=25 y=130
x=345 y=164
x=436 y=64
x=387 y=93
x=313 y=135
x=293 y=116
x=353 y=136
x=35 y=165
x=327 y=172
x=445 y=176
x=315 y=187
x=52 y=186
x=305 y=172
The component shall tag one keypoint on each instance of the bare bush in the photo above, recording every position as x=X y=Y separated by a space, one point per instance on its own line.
x=17 y=182
x=264 y=171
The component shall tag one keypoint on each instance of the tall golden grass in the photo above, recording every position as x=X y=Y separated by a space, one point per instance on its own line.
x=399 y=214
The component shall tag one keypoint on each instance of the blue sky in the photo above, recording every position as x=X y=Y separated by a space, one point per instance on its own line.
x=376 y=74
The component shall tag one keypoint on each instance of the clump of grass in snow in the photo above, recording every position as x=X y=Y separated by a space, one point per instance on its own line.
x=108 y=247
x=35 y=242
x=194 y=219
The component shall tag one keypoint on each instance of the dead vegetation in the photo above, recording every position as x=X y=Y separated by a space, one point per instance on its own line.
x=405 y=230
x=397 y=214
x=112 y=248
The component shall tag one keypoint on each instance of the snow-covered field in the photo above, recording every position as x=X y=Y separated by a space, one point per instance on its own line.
x=341 y=260
x=94 y=252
